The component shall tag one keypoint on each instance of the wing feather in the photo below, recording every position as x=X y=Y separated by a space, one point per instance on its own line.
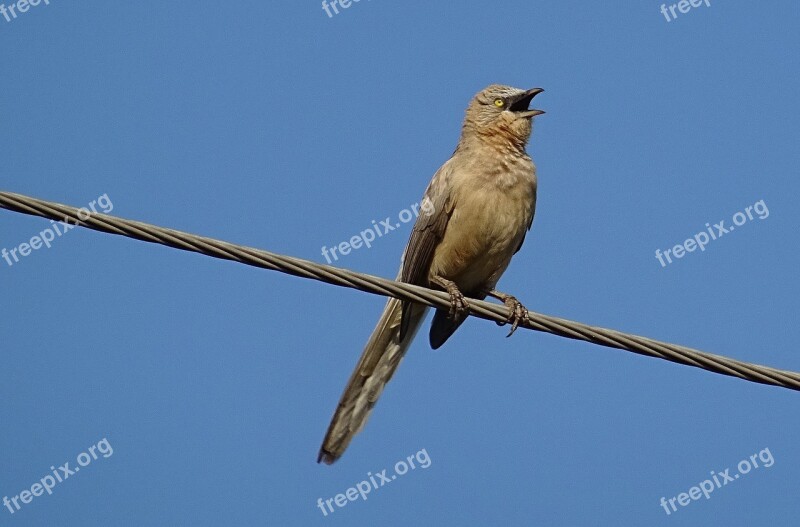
x=426 y=234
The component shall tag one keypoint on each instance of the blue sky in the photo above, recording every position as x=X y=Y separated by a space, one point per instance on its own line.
x=274 y=125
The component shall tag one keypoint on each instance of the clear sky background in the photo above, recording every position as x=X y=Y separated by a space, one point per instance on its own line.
x=272 y=125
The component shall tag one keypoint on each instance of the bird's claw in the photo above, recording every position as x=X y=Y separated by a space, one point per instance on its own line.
x=459 y=308
x=517 y=313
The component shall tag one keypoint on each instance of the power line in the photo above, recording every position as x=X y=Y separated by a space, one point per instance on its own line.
x=381 y=286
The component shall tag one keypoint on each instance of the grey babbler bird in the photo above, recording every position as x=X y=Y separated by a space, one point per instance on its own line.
x=482 y=200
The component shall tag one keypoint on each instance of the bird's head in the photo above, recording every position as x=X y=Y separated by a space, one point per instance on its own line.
x=502 y=112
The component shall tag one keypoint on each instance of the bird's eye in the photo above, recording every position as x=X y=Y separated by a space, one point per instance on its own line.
x=499 y=103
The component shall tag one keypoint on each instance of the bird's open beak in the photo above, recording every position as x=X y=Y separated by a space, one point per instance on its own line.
x=520 y=105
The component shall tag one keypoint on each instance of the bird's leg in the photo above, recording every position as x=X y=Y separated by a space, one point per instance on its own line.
x=516 y=311
x=459 y=308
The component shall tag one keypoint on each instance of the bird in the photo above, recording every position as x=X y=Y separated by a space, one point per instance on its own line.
x=479 y=207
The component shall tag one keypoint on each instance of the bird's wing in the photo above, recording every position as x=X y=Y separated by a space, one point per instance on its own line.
x=530 y=221
x=426 y=235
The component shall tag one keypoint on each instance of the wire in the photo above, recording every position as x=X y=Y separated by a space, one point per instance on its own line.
x=381 y=286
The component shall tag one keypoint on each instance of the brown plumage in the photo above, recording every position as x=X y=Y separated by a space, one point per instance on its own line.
x=482 y=201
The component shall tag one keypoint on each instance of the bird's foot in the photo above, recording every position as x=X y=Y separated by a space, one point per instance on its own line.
x=517 y=313
x=459 y=307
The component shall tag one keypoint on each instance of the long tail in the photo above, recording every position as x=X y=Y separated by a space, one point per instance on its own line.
x=376 y=366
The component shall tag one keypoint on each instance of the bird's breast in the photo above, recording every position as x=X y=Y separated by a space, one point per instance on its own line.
x=491 y=215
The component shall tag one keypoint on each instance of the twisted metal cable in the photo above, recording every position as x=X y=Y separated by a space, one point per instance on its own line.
x=381 y=286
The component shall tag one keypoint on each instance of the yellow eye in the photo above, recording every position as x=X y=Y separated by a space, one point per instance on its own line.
x=499 y=103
